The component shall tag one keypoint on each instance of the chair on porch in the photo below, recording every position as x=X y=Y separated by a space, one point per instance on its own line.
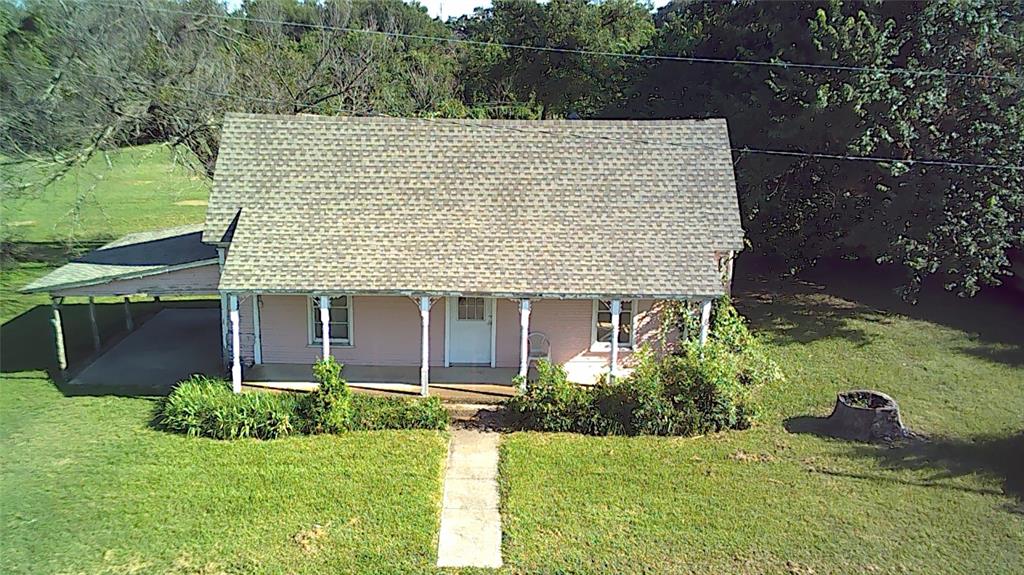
x=539 y=347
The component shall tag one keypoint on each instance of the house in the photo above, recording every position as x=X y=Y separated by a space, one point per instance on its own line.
x=407 y=248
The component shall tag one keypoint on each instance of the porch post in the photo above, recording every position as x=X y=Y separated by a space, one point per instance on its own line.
x=128 y=323
x=325 y=325
x=223 y=314
x=425 y=346
x=616 y=309
x=92 y=323
x=257 y=344
x=236 y=348
x=58 y=333
x=705 y=320
x=524 y=339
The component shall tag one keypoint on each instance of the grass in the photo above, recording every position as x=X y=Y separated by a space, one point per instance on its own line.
x=90 y=487
x=771 y=501
x=140 y=188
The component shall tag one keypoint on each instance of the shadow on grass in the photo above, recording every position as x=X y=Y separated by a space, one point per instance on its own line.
x=997 y=457
x=819 y=303
x=796 y=312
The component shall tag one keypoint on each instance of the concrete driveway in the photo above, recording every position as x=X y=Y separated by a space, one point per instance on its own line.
x=172 y=345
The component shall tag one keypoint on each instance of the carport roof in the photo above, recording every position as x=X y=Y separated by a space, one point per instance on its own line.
x=135 y=255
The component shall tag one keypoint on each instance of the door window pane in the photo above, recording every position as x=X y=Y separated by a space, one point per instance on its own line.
x=471 y=308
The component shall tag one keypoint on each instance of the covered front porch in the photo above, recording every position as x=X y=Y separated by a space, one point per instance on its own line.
x=476 y=384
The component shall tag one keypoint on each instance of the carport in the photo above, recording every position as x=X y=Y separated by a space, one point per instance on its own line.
x=162 y=263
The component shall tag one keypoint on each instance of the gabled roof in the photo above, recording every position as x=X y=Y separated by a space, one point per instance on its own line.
x=560 y=208
x=133 y=256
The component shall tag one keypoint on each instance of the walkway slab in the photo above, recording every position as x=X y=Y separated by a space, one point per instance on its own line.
x=470 y=520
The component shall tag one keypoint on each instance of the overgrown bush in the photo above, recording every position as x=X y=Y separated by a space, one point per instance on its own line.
x=375 y=412
x=552 y=402
x=327 y=409
x=204 y=406
x=697 y=389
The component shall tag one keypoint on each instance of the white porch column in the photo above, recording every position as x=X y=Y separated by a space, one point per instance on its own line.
x=425 y=346
x=236 y=347
x=58 y=333
x=705 y=320
x=92 y=324
x=524 y=339
x=257 y=343
x=325 y=325
x=128 y=323
x=616 y=309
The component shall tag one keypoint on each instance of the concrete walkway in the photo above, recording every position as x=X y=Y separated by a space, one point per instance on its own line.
x=470 y=520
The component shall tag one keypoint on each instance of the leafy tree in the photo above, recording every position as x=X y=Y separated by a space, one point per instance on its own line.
x=955 y=222
x=561 y=83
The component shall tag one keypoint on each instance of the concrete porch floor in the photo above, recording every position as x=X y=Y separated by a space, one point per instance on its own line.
x=465 y=384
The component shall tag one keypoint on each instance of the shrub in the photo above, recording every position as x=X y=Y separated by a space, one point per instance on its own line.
x=552 y=402
x=203 y=406
x=327 y=409
x=374 y=412
x=703 y=383
x=698 y=389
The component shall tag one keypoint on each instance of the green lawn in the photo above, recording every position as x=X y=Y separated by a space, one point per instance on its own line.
x=139 y=189
x=87 y=486
x=768 y=500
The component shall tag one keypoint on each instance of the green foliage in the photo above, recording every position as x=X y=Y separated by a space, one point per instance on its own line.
x=699 y=389
x=327 y=409
x=552 y=402
x=561 y=83
x=203 y=406
x=728 y=329
x=374 y=412
x=957 y=223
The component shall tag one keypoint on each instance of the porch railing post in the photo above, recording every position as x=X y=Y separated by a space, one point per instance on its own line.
x=96 y=343
x=58 y=333
x=325 y=325
x=615 y=308
x=524 y=340
x=257 y=342
x=705 y=320
x=425 y=346
x=236 y=348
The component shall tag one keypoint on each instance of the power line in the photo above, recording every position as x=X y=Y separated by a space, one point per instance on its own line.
x=293 y=104
x=580 y=52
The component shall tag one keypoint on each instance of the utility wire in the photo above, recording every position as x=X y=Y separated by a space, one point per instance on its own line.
x=581 y=52
x=293 y=104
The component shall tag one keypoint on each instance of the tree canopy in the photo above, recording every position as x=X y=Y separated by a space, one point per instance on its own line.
x=81 y=77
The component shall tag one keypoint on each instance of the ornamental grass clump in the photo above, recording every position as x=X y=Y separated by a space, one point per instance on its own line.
x=206 y=406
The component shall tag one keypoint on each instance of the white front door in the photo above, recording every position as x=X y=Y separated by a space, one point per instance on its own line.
x=469 y=332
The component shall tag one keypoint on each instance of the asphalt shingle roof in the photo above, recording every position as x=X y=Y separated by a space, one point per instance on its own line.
x=567 y=208
x=134 y=255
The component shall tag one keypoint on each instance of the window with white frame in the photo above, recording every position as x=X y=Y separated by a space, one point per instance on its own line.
x=602 y=324
x=340 y=324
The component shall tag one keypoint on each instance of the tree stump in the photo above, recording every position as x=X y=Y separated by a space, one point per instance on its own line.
x=866 y=415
